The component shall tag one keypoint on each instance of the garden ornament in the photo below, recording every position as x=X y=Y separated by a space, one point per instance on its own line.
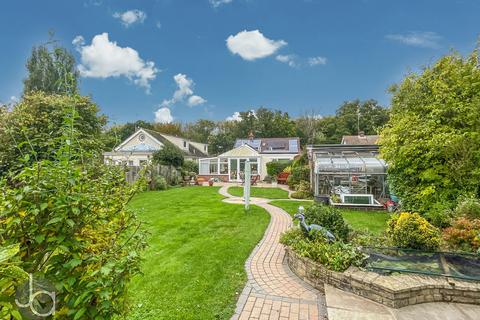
x=309 y=227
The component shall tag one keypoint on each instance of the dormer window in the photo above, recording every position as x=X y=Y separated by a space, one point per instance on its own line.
x=184 y=144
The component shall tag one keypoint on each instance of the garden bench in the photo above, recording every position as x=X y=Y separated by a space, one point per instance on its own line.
x=282 y=177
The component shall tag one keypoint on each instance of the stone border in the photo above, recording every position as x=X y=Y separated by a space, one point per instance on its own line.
x=394 y=291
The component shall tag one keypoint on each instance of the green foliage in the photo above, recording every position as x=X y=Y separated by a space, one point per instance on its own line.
x=299 y=173
x=431 y=141
x=468 y=207
x=190 y=167
x=464 y=234
x=169 y=155
x=336 y=256
x=275 y=167
x=51 y=70
x=329 y=218
x=11 y=276
x=302 y=191
x=69 y=216
x=33 y=127
x=158 y=183
x=410 y=230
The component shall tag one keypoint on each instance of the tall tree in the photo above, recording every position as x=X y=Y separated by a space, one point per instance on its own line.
x=51 y=69
x=200 y=130
x=432 y=140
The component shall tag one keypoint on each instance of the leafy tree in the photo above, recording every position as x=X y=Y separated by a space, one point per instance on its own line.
x=432 y=140
x=200 y=130
x=169 y=155
x=51 y=70
x=174 y=129
x=70 y=217
x=36 y=120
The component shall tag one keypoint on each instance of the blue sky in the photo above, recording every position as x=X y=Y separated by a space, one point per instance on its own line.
x=190 y=59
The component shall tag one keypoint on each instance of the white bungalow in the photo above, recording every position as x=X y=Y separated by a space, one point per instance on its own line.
x=138 y=149
x=229 y=166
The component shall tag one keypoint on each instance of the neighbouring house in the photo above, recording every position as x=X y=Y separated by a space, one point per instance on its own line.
x=230 y=166
x=348 y=174
x=361 y=138
x=137 y=150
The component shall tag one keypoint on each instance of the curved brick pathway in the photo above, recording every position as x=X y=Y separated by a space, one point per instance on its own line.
x=272 y=290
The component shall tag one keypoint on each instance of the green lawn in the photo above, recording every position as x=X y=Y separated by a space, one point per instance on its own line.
x=198 y=245
x=268 y=193
x=373 y=221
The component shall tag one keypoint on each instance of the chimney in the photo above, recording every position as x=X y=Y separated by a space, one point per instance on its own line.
x=250 y=135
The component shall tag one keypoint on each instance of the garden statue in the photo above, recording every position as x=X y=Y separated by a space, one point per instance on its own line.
x=309 y=227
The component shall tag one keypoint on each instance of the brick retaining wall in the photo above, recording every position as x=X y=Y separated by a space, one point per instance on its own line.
x=394 y=291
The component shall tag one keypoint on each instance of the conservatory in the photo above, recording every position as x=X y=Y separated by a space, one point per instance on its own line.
x=348 y=175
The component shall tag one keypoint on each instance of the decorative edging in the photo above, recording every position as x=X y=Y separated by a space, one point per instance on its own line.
x=394 y=291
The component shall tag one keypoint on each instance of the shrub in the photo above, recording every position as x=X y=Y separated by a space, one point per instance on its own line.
x=73 y=225
x=8 y=284
x=468 y=207
x=158 y=183
x=302 y=191
x=190 y=166
x=440 y=215
x=464 y=234
x=169 y=155
x=336 y=256
x=410 y=230
x=299 y=173
x=275 y=167
x=329 y=218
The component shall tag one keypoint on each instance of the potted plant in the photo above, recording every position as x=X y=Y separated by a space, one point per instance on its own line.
x=210 y=182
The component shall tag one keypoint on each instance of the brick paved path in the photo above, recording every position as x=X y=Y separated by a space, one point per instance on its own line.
x=272 y=290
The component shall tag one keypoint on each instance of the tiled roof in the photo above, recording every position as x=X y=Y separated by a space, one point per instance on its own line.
x=360 y=139
x=192 y=150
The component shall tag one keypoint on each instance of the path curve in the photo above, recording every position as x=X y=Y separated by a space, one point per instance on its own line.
x=272 y=290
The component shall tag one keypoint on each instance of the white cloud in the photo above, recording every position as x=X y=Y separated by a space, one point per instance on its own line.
x=315 y=61
x=104 y=58
x=78 y=41
x=251 y=45
x=234 y=117
x=195 y=101
x=288 y=59
x=184 y=91
x=130 y=17
x=163 y=115
x=417 y=39
x=218 y=3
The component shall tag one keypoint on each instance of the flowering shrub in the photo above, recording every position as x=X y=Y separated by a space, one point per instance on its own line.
x=464 y=234
x=336 y=256
x=302 y=191
x=410 y=230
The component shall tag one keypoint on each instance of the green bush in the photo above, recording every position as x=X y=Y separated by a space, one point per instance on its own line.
x=336 y=256
x=190 y=166
x=440 y=215
x=468 y=207
x=158 y=183
x=169 y=155
x=72 y=222
x=275 y=167
x=299 y=173
x=11 y=277
x=410 y=230
x=302 y=191
x=329 y=218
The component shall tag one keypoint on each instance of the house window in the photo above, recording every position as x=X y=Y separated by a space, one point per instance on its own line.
x=204 y=148
x=213 y=166
x=130 y=162
x=223 y=166
x=184 y=144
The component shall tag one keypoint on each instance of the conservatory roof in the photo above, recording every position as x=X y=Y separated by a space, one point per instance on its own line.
x=349 y=164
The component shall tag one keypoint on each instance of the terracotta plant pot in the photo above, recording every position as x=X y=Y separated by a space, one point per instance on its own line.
x=210 y=183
